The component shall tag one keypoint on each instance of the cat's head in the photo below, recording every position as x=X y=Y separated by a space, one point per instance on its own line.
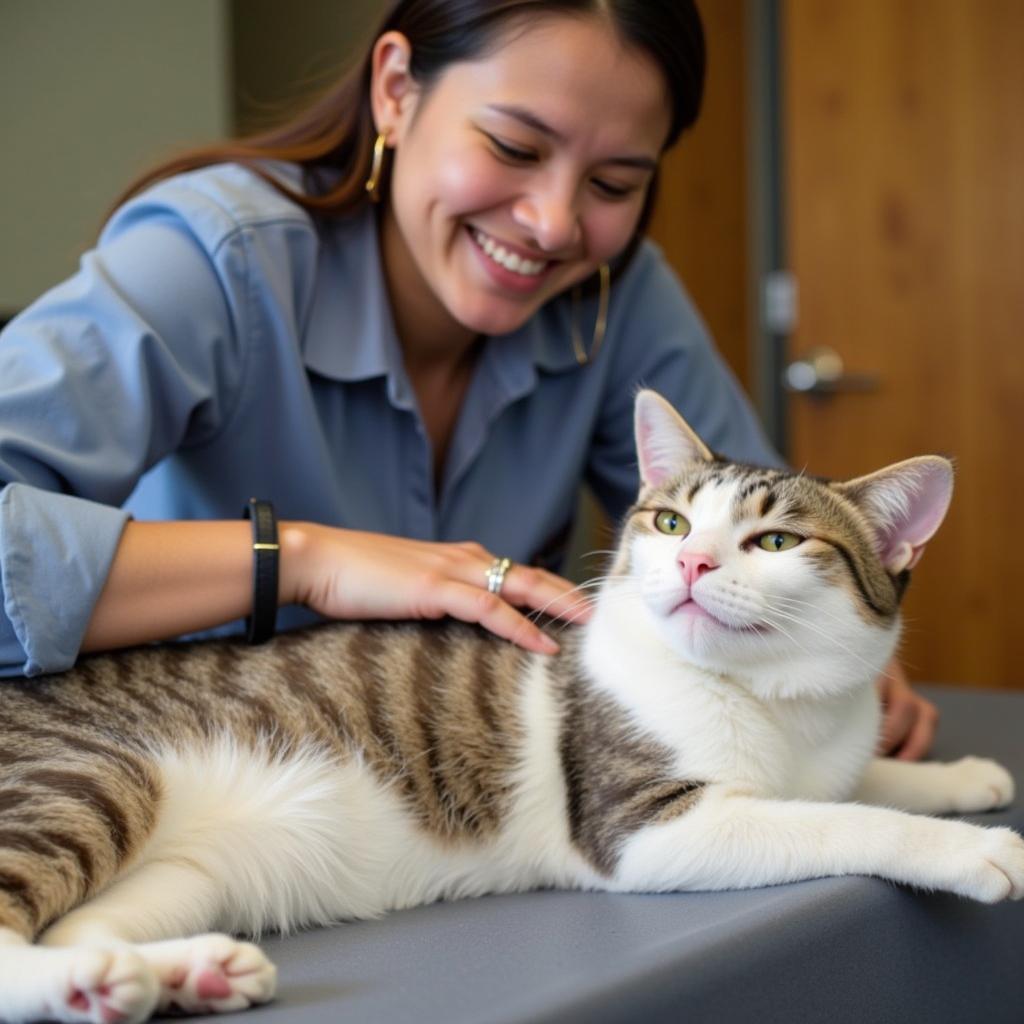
x=747 y=569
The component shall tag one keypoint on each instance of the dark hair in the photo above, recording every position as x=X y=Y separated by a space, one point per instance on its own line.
x=336 y=132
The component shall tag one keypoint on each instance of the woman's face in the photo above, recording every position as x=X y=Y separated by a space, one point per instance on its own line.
x=518 y=174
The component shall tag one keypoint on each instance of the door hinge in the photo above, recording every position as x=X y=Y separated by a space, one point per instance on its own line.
x=779 y=306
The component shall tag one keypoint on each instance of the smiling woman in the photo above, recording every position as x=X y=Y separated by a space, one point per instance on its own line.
x=411 y=321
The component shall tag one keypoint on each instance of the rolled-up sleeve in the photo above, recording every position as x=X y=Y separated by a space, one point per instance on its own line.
x=55 y=552
x=131 y=358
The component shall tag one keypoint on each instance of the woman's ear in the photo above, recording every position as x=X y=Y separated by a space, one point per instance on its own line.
x=393 y=92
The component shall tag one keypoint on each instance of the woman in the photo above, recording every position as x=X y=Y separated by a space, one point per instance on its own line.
x=413 y=320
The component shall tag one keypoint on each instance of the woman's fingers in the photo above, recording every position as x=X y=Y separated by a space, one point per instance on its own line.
x=909 y=720
x=918 y=740
x=354 y=575
x=474 y=604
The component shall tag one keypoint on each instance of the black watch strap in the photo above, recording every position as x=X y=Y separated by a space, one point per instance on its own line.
x=265 y=555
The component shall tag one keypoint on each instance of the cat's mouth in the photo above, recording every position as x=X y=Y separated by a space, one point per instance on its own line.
x=692 y=610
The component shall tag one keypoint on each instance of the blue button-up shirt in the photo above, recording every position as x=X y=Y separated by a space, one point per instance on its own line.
x=218 y=343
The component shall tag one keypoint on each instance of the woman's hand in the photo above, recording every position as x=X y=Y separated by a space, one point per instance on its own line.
x=348 y=574
x=909 y=720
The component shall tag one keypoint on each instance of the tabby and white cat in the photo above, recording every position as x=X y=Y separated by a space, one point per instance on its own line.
x=700 y=732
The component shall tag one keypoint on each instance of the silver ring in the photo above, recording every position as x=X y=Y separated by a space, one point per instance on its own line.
x=496 y=574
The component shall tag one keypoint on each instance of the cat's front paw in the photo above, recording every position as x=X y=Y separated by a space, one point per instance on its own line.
x=210 y=974
x=992 y=869
x=978 y=784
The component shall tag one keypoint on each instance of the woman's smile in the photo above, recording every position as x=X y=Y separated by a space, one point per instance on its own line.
x=507 y=266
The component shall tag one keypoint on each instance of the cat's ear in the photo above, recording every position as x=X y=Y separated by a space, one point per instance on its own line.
x=906 y=504
x=665 y=442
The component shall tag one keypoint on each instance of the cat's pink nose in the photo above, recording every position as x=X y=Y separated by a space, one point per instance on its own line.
x=694 y=565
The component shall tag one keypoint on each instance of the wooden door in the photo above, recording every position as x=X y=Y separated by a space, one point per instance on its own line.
x=904 y=213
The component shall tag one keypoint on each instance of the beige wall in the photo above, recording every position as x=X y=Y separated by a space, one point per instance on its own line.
x=94 y=91
x=90 y=94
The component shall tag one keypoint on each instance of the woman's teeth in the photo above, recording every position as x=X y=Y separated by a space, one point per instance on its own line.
x=509 y=260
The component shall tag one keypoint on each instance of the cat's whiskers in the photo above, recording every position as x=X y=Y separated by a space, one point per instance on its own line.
x=591 y=584
x=795 y=602
x=599 y=551
x=823 y=633
x=573 y=612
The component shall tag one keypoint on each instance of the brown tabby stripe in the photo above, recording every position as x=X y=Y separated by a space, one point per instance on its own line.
x=26 y=842
x=21 y=893
x=434 y=709
x=435 y=797
x=883 y=605
x=299 y=673
x=618 y=779
x=87 y=790
x=749 y=489
x=171 y=689
x=768 y=503
x=9 y=757
x=474 y=756
x=133 y=765
x=127 y=681
x=483 y=685
x=86 y=864
x=222 y=678
x=13 y=798
x=96 y=679
x=381 y=740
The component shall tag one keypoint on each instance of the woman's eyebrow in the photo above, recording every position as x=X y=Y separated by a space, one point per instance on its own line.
x=531 y=120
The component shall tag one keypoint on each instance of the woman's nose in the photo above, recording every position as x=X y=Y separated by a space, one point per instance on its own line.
x=551 y=219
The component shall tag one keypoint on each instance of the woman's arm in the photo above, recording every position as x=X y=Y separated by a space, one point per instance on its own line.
x=179 y=577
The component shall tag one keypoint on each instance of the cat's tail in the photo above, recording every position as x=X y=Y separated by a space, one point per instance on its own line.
x=74 y=810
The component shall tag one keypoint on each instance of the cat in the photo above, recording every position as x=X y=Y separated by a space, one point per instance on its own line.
x=702 y=731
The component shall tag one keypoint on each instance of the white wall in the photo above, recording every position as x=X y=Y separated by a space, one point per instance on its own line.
x=91 y=93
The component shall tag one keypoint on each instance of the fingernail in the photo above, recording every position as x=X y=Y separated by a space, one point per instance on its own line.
x=549 y=645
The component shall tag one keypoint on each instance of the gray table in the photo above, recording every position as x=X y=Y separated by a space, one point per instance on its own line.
x=840 y=950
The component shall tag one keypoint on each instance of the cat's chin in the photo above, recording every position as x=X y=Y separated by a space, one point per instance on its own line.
x=701 y=637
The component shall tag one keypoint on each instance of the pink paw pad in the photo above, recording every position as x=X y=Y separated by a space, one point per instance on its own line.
x=111 y=1016
x=78 y=1000
x=213 y=985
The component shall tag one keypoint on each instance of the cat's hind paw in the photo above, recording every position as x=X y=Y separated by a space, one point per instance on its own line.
x=210 y=974
x=105 y=986
x=980 y=785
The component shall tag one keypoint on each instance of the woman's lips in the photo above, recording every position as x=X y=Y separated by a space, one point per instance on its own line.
x=510 y=279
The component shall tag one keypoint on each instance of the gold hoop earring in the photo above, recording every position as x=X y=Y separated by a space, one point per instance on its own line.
x=373 y=181
x=582 y=356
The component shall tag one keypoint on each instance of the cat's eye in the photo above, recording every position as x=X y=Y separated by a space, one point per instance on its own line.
x=672 y=523
x=778 y=541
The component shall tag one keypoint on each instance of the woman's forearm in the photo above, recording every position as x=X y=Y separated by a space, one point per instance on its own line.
x=170 y=578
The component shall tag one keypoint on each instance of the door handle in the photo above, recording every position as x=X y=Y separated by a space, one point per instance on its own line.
x=820 y=372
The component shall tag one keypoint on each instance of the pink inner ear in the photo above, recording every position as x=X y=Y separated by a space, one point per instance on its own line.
x=648 y=470
x=651 y=472
x=927 y=493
